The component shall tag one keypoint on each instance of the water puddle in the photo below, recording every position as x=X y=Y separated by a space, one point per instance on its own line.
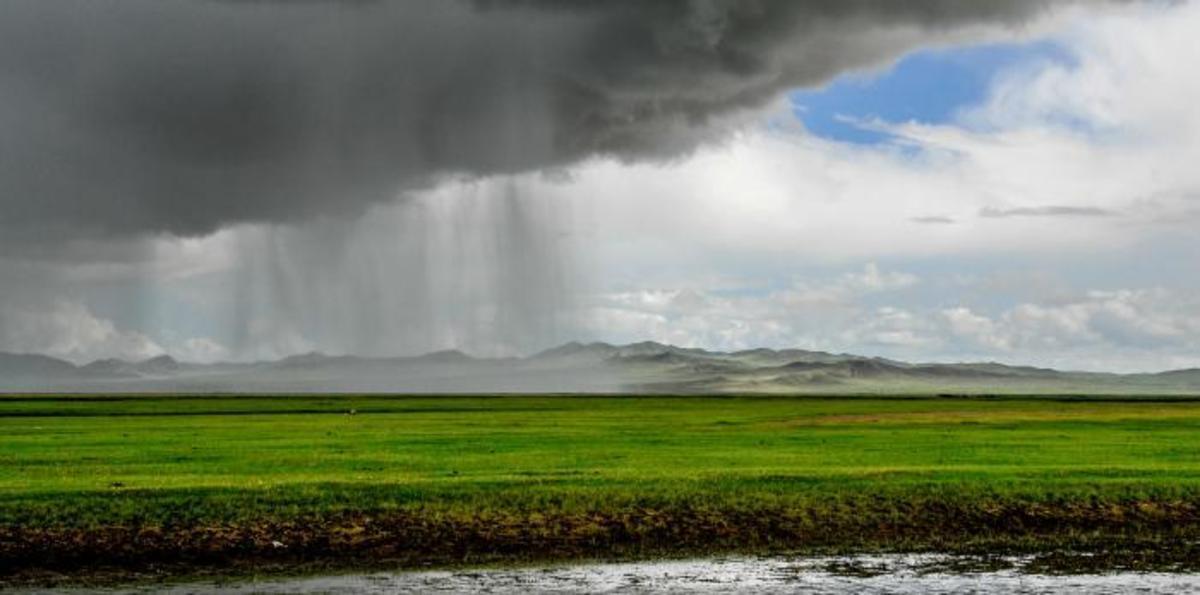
x=852 y=574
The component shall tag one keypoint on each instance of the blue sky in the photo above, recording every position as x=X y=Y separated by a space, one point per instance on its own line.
x=929 y=86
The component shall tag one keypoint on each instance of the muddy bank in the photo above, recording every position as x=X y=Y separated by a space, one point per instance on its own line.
x=1115 y=535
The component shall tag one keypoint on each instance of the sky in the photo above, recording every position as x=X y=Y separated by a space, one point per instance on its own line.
x=928 y=181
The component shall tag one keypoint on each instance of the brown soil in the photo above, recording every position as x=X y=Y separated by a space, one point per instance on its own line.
x=418 y=539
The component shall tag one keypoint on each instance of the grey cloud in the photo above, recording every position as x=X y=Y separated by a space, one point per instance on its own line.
x=127 y=117
x=934 y=220
x=1047 y=211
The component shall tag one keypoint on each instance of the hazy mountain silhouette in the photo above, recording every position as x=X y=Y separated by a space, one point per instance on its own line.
x=578 y=367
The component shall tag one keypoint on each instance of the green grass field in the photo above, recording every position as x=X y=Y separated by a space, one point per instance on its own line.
x=514 y=475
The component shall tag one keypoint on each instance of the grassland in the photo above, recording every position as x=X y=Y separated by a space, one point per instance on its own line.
x=129 y=482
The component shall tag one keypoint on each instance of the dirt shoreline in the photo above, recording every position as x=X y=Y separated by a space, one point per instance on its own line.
x=1126 y=535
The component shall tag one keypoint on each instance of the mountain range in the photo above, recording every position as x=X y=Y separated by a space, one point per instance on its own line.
x=646 y=367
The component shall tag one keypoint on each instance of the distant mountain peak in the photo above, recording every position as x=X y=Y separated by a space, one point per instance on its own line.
x=755 y=351
x=106 y=362
x=445 y=356
x=311 y=356
x=158 y=366
x=14 y=365
x=649 y=345
x=575 y=349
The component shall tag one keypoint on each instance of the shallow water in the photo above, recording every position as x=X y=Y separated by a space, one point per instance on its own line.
x=854 y=574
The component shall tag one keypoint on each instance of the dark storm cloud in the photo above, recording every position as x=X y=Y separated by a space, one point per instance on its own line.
x=129 y=117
